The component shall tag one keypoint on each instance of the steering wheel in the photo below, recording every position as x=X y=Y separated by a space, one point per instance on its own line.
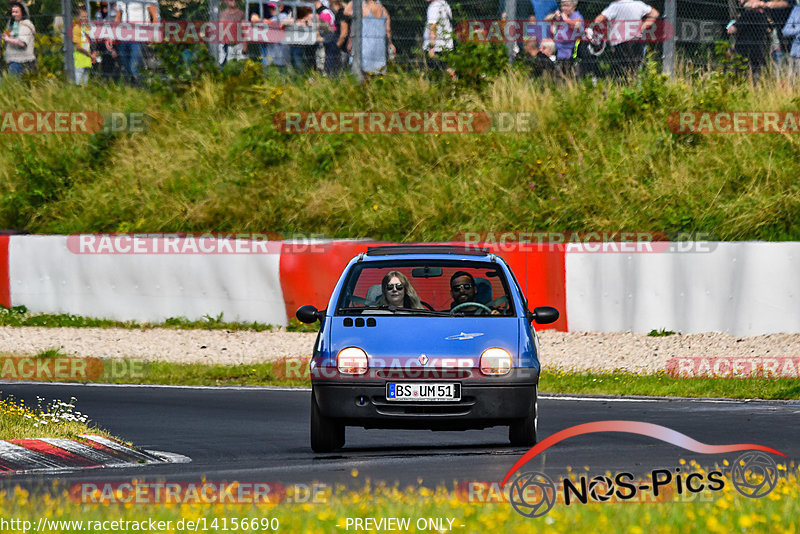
x=481 y=308
x=427 y=305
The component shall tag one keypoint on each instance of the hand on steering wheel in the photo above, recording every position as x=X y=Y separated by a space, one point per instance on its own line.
x=481 y=308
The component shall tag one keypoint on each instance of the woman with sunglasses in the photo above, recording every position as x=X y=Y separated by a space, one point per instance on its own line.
x=397 y=291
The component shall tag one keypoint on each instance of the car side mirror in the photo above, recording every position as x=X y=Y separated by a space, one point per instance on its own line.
x=543 y=315
x=309 y=314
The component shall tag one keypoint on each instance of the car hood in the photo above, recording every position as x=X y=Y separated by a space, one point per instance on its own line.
x=444 y=341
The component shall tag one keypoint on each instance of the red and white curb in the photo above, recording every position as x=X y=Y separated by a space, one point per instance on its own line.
x=45 y=455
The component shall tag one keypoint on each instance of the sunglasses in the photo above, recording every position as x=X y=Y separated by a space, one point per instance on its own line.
x=398 y=287
x=459 y=287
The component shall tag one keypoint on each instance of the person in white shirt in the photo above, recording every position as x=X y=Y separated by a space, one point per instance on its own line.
x=438 y=35
x=131 y=54
x=625 y=25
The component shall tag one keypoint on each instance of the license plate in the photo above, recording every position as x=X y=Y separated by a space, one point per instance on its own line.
x=426 y=391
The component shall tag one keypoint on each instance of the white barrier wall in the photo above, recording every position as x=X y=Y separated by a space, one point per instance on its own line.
x=742 y=288
x=47 y=275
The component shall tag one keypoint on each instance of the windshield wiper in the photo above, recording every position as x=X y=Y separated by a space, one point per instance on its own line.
x=414 y=311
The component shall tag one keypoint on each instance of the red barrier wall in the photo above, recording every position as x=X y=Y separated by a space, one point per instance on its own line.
x=309 y=273
x=540 y=270
x=5 y=288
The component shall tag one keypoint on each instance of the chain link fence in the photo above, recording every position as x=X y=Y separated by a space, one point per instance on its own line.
x=687 y=35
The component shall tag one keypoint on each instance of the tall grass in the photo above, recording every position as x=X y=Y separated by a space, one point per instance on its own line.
x=598 y=158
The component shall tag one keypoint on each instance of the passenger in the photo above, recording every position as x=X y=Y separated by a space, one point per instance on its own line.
x=397 y=291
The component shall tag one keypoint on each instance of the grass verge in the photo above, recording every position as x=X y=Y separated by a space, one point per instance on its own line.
x=57 y=419
x=20 y=316
x=603 y=159
x=718 y=512
x=294 y=372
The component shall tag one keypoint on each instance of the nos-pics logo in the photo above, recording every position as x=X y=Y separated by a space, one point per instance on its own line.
x=533 y=494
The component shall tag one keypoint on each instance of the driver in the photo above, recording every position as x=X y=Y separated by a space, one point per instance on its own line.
x=463 y=289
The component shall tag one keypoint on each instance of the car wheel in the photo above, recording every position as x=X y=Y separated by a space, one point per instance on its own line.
x=523 y=431
x=327 y=434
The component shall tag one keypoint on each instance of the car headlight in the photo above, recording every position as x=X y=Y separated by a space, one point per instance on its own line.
x=352 y=361
x=495 y=361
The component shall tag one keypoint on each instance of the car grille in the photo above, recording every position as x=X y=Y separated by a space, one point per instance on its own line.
x=439 y=409
x=430 y=374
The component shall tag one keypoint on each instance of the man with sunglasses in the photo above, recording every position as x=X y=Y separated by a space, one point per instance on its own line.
x=463 y=289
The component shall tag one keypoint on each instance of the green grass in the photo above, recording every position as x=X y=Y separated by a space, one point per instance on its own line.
x=56 y=419
x=598 y=159
x=20 y=316
x=721 y=512
x=279 y=373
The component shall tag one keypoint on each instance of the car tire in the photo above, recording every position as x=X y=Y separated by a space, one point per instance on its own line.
x=327 y=434
x=523 y=431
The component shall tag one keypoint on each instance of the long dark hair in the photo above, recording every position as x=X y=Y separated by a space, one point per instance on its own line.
x=22 y=7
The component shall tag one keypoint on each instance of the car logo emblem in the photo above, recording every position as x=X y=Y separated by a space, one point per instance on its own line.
x=464 y=335
x=423 y=359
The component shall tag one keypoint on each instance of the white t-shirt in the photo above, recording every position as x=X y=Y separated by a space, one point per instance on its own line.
x=134 y=11
x=625 y=20
x=439 y=13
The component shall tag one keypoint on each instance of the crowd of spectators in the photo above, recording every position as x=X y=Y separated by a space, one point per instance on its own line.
x=563 y=43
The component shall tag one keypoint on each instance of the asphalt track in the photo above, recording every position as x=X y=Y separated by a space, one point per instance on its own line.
x=261 y=435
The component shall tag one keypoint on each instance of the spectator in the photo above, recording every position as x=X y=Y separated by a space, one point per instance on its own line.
x=752 y=33
x=302 y=55
x=627 y=46
x=277 y=54
x=566 y=28
x=337 y=6
x=18 y=37
x=792 y=30
x=376 y=35
x=83 y=55
x=108 y=57
x=229 y=50
x=329 y=34
x=541 y=8
x=131 y=54
x=438 y=33
x=540 y=60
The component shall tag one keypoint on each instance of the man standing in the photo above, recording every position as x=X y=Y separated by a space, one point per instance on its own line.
x=83 y=56
x=438 y=35
x=624 y=27
x=131 y=54
x=230 y=18
x=752 y=30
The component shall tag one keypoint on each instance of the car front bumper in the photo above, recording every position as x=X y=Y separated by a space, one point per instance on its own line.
x=485 y=402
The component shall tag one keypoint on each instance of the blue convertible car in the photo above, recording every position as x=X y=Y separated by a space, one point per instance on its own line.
x=425 y=336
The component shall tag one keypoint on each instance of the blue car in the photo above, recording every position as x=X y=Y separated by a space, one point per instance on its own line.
x=425 y=337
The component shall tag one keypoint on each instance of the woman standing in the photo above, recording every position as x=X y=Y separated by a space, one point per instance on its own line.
x=18 y=37
x=376 y=35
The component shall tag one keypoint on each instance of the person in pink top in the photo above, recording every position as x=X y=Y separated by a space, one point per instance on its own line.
x=329 y=34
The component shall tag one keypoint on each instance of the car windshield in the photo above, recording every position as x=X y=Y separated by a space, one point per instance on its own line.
x=426 y=288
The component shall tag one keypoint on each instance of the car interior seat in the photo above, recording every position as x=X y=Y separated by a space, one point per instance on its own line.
x=373 y=295
x=484 y=290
